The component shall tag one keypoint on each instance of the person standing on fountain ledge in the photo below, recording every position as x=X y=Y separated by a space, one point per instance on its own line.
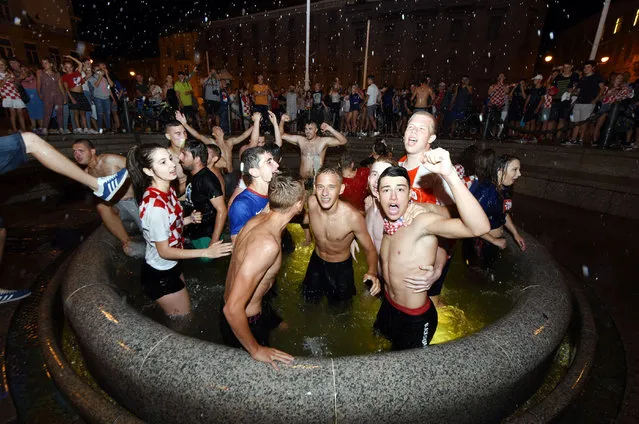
x=335 y=224
x=152 y=171
x=246 y=320
x=407 y=316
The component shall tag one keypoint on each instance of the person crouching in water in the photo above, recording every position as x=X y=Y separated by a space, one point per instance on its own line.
x=151 y=171
x=492 y=189
x=407 y=317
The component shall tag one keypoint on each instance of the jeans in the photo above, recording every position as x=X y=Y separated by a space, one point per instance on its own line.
x=103 y=108
x=67 y=116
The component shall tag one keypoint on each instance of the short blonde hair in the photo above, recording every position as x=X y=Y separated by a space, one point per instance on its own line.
x=284 y=191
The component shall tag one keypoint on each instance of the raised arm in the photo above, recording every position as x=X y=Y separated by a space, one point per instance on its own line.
x=473 y=221
x=338 y=138
x=240 y=138
x=179 y=116
x=255 y=133
x=276 y=128
x=77 y=62
x=293 y=139
x=248 y=276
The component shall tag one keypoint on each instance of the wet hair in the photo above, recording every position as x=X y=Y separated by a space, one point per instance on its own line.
x=485 y=166
x=346 y=160
x=381 y=148
x=171 y=123
x=251 y=159
x=87 y=143
x=312 y=123
x=181 y=73
x=371 y=77
x=138 y=158
x=501 y=163
x=385 y=159
x=394 y=171
x=274 y=150
x=214 y=151
x=197 y=150
x=467 y=159
x=431 y=120
x=330 y=170
x=284 y=191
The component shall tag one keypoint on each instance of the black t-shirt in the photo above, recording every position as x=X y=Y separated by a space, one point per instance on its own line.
x=589 y=88
x=203 y=187
x=564 y=83
x=142 y=88
x=317 y=99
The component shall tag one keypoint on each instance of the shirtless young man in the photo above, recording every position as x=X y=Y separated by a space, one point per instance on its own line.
x=226 y=146
x=421 y=96
x=112 y=212
x=312 y=146
x=407 y=317
x=215 y=157
x=335 y=224
x=246 y=322
x=176 y=134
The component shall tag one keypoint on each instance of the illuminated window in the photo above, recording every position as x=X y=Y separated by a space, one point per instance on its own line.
x=617 y=26
x=636 y=18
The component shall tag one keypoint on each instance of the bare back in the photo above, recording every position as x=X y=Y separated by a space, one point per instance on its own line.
x=333 y=232
x=108 y=164
x=401 y=256
x=253 y=237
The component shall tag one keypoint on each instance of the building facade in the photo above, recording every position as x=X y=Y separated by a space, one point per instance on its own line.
x=180 y=52
x=33 y=29
x=408 y=40
x=619 y=43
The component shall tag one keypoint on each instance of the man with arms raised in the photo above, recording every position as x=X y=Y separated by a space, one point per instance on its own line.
x=203 y=194
x=111 y=213
x=335 y=224
x=312 y=146
x=422 y=95
x=259 y=167
x=246 y=320
x=407 y=317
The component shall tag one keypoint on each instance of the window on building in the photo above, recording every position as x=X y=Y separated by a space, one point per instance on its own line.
x=494 y=25
x=455 y=28
x=32 y=53
x=54 y=54
x=617 y=26
x=6 y=50
x=180 y=53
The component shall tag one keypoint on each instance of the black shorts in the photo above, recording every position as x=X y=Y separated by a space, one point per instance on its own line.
x=157 y=283
x=260 y=325
x=81 y=102
x=406 y=328
x=560 y=110
x=436 y=288
x=355 y=108
x=334 y=280
x=480 y=253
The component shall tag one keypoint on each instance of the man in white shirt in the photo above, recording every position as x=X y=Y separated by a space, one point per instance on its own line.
x=372 y=94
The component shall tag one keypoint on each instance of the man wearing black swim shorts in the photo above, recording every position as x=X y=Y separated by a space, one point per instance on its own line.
x=335 y=224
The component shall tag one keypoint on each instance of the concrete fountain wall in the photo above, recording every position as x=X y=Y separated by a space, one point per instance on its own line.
x=162 y=376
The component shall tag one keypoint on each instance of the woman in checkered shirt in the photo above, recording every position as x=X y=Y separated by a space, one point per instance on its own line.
x=11 y=96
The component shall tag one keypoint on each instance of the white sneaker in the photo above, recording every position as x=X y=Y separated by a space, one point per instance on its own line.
x=77 y=131
x=91 y=131
x=66 y=131
x=375 y=133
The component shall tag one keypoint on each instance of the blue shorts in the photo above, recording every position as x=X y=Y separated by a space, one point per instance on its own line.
x=13 y=152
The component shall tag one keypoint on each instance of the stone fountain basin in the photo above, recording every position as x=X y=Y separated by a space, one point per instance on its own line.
x=162 y=376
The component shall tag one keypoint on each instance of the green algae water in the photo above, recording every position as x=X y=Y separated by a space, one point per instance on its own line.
x=472 y=302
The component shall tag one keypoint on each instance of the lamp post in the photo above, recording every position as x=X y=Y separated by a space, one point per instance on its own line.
x=600 y=28
x=307 y=79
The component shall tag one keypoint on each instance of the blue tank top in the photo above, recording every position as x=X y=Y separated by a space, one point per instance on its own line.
x=495 y=204
x=355 y=99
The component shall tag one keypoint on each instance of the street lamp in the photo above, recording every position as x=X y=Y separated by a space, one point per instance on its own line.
x=605 y=59
x=132 y=73
x=548 y=58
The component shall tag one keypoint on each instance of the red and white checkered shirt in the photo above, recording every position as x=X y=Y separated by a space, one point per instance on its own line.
x=161 y=216
x=8 y=90
x=612 y=95
x=498 y=96
x=546 y=101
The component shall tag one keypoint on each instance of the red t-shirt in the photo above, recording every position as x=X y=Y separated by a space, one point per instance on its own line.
x=355 y=188
x=420 y=194
x=73 y=79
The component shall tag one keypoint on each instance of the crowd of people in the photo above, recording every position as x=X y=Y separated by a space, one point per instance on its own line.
x=182 y=196
x=569 y=106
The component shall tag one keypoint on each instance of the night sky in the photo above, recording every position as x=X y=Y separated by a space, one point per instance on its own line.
x=131 y=28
